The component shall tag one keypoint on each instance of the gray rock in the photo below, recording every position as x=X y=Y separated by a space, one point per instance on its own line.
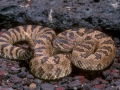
x=61 y=14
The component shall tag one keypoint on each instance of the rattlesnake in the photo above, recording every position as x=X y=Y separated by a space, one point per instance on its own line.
x=51 y=55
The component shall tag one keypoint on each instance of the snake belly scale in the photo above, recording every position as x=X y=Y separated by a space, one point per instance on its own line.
x=87 y=49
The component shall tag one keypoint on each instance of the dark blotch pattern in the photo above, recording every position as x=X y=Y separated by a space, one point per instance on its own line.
x=86 y=46
x=97 y=56
x=39 y=42
x=104 y=52
x=88 y=31
x=58 y=71
x=90 y=43
x=46 y=37
x=107 y=42
x=1 y=40
x=79 y=49
x=40 y=70
x=107 y=47
x=85 y=55
x=64 y=33
x=40 y=49
x=51 y=33
x=88 y=38
x=100 y=36
x=56 y=59
x=43 y=60
x=71 y=35
x=80 y=33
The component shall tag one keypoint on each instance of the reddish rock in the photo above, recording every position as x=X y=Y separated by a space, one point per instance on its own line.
x=106 y=73
x=1 y=33
x=15 y=79
x=95 y=81
x=81 y=79
x=99 y=86
x=74 y=83
x=1 y=73
x=60 y=88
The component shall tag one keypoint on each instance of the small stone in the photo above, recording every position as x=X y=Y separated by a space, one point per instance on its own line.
x=3 y=30
x=7 y=76
x=25 y=81
x=47 y=86
x=23 y=69
x=117 y=53
x=117 y=83
x=109 y=78
x=60 y=88
x=117 y=41
x=94 y=82
x=30 y=76
x=15 y=79
x=74 y=83
x=14 y=68
x=1 y=33
x=88 y=86
x=100 y=86
x=38 y=88
x=5 y=88
x=114 y=73
x=22 y=74
x=106 y=73
x=110 y=88
x=17 y=86
x=25 y=87
x=38 y=81
x=32 y=86
x=116 y=65
x=104 y=81
x=81 y=79
x=10 y=84
x=1 y=73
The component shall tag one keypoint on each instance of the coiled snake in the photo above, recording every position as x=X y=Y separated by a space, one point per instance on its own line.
x=85 y=48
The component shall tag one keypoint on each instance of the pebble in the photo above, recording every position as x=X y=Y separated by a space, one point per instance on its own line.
x=30 y=76
x=32 y=86
x=47 y=86
x=109 y=78
x=81 y=79
x=74 y=83
x=1 y=73
x=100 y=86
x=38 y=81
x=5 y=88
x=106 y=73
x=117 y=83
x=14 y=68
x=117 y=53
x=25 y=87
x=95 y=81
x=60 y=88
x=15 y=79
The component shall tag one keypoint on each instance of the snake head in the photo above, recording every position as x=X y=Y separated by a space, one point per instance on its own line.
x=63 y=44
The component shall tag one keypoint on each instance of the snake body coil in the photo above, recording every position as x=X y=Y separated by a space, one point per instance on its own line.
x=87 y=49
